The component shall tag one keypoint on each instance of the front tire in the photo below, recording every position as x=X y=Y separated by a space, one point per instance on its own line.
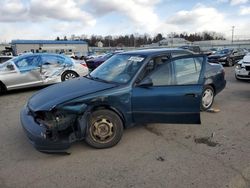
x=2 y=88
x=207 y=98
x=68 y=75
x=105 y=129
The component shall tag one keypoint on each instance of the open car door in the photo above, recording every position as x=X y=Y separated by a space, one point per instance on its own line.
x=171 y=93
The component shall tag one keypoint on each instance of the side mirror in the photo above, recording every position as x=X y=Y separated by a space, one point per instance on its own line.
x=146 y=83
x=10 y=67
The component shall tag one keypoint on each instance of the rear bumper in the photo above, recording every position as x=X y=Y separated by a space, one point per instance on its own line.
x=36 y=133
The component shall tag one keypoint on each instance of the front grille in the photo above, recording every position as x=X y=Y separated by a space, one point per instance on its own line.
x=248 y=68
x=243 y=76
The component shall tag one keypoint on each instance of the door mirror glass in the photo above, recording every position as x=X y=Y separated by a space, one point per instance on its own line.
x=146 y=83
x=10 y=67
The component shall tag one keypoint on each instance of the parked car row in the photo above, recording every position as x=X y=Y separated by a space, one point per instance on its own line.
x=143 y=86
x=227 y=56
x=196 y=49
x=224 y=56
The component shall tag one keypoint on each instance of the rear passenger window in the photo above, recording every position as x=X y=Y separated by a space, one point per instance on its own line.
x=187 y=70
x=52 y=60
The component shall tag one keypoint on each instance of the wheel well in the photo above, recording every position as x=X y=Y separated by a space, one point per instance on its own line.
x=2 y=85
x=107 y=107
x=212 y=85
x=70 y=71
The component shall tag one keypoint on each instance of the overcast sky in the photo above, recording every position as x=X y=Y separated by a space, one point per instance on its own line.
x=46 y=19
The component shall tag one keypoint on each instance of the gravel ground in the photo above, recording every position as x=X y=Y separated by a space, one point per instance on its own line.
x=213 y=154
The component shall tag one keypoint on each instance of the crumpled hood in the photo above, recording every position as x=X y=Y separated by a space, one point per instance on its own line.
x=51 y=96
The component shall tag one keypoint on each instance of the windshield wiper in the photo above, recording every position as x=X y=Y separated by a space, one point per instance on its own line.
x=99 y=79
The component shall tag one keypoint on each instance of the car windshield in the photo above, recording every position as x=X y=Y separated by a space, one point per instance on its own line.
x=119 y=69
x=224 y=51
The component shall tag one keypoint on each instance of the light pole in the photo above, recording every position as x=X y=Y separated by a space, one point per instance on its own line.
x=233 y=34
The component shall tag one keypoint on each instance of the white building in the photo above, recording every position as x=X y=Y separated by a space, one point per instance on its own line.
x=99 y=44
x=51 y=46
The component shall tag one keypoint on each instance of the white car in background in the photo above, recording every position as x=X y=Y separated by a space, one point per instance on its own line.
x=242 y=70
x=30 y=70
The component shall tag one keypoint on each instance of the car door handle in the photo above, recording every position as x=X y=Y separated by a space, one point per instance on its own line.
x=191 y=95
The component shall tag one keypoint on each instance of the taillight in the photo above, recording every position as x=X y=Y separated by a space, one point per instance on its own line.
x=84 y=64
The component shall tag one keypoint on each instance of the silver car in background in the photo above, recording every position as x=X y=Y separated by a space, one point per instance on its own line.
x=242 y=69
x=30 y=70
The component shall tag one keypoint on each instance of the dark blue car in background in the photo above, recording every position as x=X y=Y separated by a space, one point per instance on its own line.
x=143 y=86
x=95 y=62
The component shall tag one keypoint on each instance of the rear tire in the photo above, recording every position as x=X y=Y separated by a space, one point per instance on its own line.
x=207 y=98
x=105 y=129
x=68 y=75
x=230 y=62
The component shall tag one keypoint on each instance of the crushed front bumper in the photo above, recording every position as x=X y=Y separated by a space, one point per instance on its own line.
x=36 y=133
x=242 y=74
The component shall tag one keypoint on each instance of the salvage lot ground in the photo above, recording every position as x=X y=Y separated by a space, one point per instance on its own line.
x=147 y=156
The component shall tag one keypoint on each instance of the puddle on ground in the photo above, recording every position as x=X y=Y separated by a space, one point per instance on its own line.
x=205 y=140
x=160 y=158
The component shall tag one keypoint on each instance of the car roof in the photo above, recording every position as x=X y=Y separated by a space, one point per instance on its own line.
x=154 y=52
x=30 y=54
x=16 y=58
x=41 y=54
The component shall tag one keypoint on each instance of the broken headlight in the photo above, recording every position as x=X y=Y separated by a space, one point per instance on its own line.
x=58 y=120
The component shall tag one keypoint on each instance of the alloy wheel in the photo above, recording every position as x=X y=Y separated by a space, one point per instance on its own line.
x=70 y=76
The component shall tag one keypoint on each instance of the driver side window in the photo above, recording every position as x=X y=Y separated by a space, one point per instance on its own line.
x=162 y=75
x=52 y=60
x=152 y=65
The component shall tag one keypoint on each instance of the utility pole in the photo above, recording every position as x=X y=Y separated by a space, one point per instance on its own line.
x=233 y=34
